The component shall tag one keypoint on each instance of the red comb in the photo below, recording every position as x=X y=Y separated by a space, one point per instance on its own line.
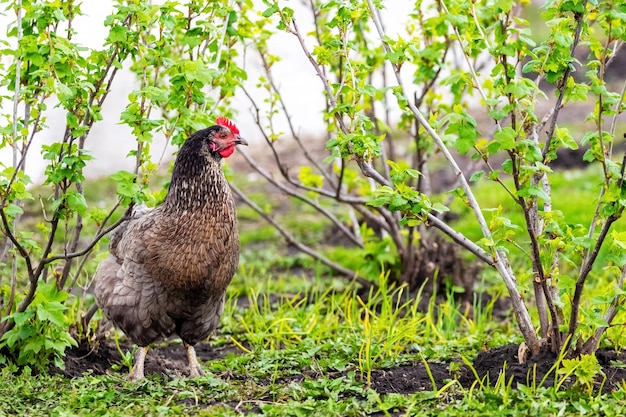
x=223 y=121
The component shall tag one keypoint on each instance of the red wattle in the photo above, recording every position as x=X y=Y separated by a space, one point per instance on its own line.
x=226 y=152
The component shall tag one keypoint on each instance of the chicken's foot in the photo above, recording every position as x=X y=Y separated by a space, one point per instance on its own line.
x=140 y=357
x=194 y=367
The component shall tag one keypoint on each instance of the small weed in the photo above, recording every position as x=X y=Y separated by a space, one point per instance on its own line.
x=585 y=369
x=126 y=363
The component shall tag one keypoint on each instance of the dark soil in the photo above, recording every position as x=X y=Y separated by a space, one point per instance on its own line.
x=489 y=365
x=169 y=359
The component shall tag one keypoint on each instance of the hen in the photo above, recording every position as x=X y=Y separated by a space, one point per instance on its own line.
x=169 y=267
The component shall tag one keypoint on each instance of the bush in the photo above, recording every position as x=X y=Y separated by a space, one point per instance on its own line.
x=463 y=60
x=396 y=107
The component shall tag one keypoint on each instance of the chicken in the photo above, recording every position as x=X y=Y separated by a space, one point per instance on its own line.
x=169 y=266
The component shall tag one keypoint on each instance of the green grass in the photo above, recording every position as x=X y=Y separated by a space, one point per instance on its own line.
x=319 y=327
x=334 y=338
x=285 y=318
x=343 y=396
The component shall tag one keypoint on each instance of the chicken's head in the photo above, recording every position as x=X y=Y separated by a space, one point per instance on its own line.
x=225 y=138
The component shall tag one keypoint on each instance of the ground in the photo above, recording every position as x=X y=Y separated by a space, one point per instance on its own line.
x=169 y=359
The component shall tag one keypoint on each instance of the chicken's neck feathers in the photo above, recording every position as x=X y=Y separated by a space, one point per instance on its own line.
x=196 y=185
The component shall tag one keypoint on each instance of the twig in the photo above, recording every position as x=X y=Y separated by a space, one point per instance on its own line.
x=459 y=238
x=596 y=215
x=301 y=197
x=100 y=229
x=477 y=83
x=590 y=259
x=618 y=106
x=18 y=81
x=366 y=168
x=299 y=245
x=88 y=248
x=563 y=81
x=584 y=273
x=320 y=73
x=292 y=129
x=88 y=122
x=591 y=345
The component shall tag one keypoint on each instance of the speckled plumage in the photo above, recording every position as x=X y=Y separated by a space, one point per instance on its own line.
x=169 y=267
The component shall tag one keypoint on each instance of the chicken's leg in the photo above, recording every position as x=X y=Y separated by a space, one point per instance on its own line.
x=140 y=358
x=194 y=366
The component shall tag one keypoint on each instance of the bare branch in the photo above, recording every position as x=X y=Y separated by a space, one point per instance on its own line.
x=590 y=258
x=299 y=245
x=90 y=246
x=22 y=251
x=459 y=238
x=584 y=273
x=292 y=130
x=103 y=233
x=347 y=232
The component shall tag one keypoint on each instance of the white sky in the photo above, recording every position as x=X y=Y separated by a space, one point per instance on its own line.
x=110 y=141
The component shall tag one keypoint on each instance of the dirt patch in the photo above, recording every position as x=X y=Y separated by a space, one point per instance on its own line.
x=491 y=363
x=406 y=379
x=170 y=360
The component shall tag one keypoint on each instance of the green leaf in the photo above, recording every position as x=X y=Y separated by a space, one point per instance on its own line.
x=477 y=176
x=397 y=202
x=76 y=201
x=309 y=179
x=126 y=184
x=619 y=239
x=506 y=138
x=270 y=10
x=440 y=208
x=563 y=136
x=33 y=345
x=21 y=318
x=533 y=191
x=118 y=34
x=494 y=175
x=467 y=138
x=52 y=312
x=464 y=126
x=13 y=210
x=519 y=89
x=64 y=92
x=507 y=166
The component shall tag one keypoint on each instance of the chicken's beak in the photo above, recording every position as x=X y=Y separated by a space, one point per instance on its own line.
x=240 y=141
